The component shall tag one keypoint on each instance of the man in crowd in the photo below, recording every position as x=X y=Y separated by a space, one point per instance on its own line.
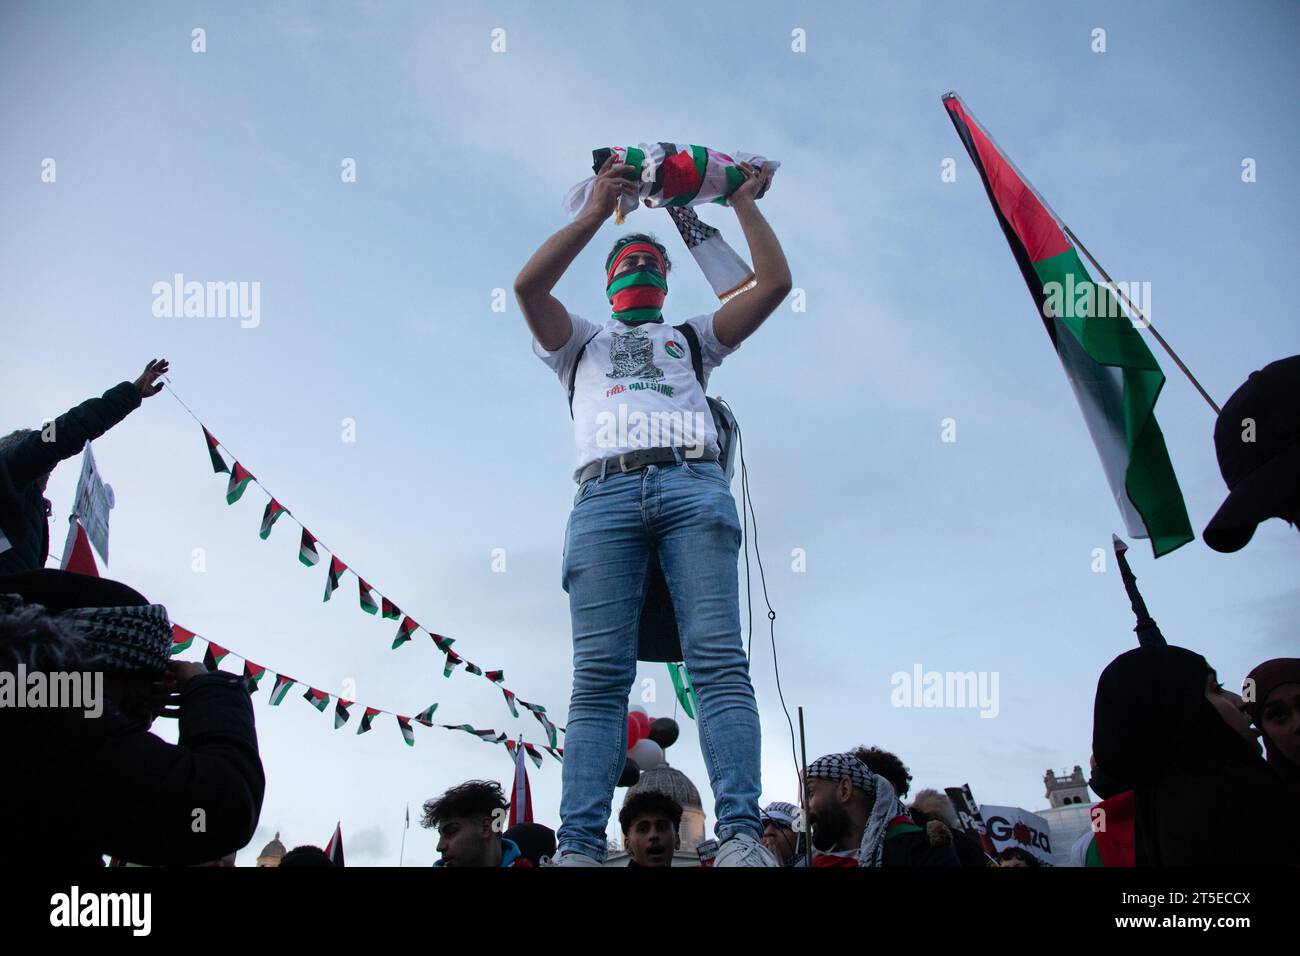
x=85 y=782
x=888 y=766
x=471 y=821
x=651 y=825
x=28 y=456
x=643 y=504
x=857 y=820
x=779 y=834
x=933 y=810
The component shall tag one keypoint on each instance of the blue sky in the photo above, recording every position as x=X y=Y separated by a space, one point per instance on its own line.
x=376 y=305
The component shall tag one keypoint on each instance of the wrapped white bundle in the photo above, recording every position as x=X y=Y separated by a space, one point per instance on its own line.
x=676 y=177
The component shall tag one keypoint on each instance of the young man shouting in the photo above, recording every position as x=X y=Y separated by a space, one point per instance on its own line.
x=650 y=485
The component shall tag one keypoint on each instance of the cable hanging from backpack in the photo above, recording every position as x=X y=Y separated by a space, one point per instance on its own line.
x=747 y=510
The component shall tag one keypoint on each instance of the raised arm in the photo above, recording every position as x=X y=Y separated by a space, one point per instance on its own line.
x=737 y=319
x=545 y=315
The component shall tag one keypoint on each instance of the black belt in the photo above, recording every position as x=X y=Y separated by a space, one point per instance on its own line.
x=640 y=458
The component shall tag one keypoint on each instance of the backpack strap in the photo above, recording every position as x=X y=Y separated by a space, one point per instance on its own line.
x=693 y=340
x=573 y=372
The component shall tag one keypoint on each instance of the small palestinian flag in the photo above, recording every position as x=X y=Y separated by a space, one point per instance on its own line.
x=540 y=713
x=390 y=611
x=442 y=643
x=213 y=656
x=367 y=597
x=472 y=668
x=533 y=754
x=426 y=716
x=408 y=732
x=450 y=664
x=341 y=712
x=368 y=718
x=317 y=698
x=487 y=736
x=238 y=484
x=510 y=701
x=683 y=688
x=495 y=677
x=556 y=752
x=307 y=552
x=270 y=516
x=181 y=639
x=337 y=568
x=404 y=631
x=253 y=674
x=218 y=463
x=281 y=689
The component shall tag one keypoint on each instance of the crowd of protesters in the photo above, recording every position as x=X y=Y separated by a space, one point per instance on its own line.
x=1189 y=772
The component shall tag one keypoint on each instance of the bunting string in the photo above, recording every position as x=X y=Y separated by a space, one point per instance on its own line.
x=309 y=549
x=183 y=639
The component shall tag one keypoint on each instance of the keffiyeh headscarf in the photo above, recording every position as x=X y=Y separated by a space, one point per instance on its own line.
x=778 y=811
x=131 y=639
x=884 y=807
x=637 y=296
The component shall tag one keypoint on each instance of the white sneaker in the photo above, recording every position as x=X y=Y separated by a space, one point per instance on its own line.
x=744 y=849
x=569 y=858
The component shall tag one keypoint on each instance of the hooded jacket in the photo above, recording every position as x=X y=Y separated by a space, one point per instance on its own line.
x=1201 y=794
x=27 y=459
x=80 y=787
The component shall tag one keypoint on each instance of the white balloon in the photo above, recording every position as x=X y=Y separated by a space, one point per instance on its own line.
x=646 y=754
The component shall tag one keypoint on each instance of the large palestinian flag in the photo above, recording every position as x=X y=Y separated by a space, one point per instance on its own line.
x=1115 y=377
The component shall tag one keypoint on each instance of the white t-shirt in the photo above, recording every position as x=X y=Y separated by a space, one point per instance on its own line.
x=636 y=387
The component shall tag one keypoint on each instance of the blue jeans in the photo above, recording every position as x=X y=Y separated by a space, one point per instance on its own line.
x=685 y=511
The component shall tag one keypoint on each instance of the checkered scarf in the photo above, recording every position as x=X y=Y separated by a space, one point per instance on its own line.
x=136 y=638
x=778 y=811
x=884 y=807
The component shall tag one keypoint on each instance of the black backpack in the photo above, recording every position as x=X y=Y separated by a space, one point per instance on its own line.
x=657 y=638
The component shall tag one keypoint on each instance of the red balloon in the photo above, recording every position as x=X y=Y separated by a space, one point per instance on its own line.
x=638 y=728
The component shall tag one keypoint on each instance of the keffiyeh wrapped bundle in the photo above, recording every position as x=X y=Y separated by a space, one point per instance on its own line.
x=670 y=174
x=676 y=177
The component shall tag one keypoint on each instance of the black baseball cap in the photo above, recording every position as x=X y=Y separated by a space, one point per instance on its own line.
x=1257 y=440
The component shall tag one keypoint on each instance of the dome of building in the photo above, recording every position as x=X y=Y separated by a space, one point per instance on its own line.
x=272 y=853
x=668 y=780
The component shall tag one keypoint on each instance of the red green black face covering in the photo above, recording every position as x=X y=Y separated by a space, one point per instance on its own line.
x=637 y=296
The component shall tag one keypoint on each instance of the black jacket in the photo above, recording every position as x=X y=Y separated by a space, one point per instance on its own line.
x=1201 y=794
x=22 y=465
x=78 y=788
x=906 y=844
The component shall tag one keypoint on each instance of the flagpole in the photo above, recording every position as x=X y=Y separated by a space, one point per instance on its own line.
x=406 y=826
x=803 y=792
x=1145 y=321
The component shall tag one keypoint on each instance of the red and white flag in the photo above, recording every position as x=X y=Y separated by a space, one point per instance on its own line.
x=521 y=798
x=334 y=849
